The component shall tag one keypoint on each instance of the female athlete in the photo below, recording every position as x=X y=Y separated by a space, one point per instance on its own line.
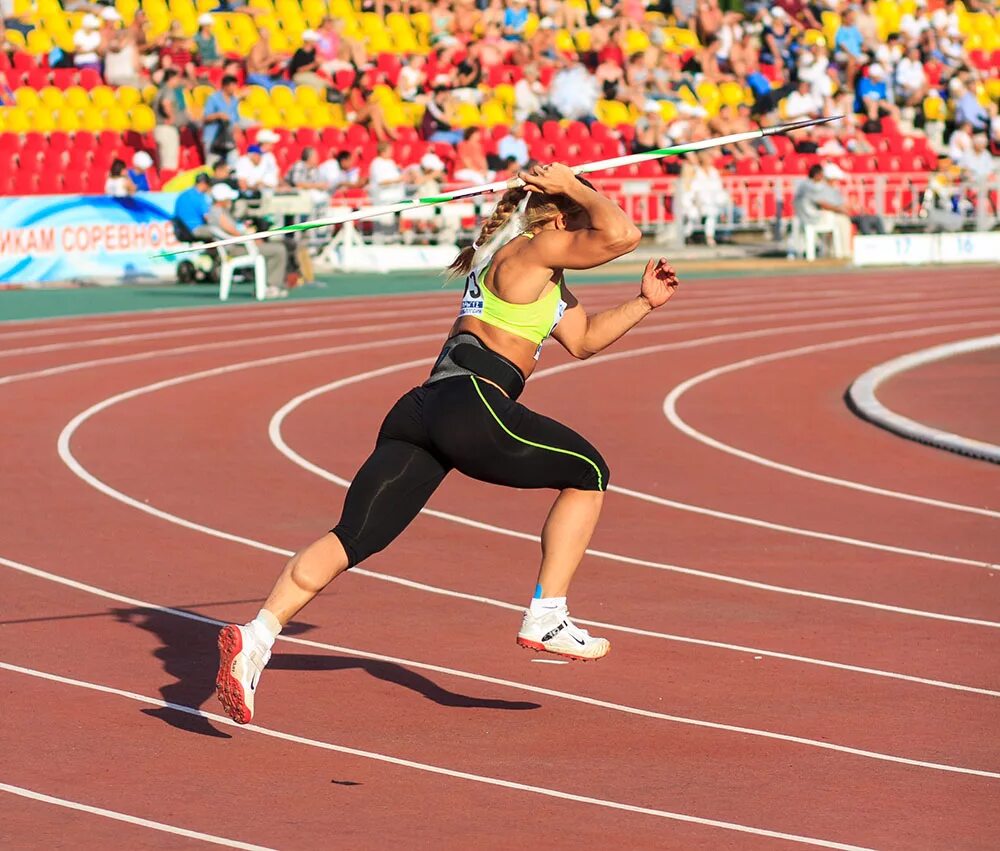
x=466 y=417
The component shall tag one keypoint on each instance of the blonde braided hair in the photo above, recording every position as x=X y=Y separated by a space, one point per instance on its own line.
x=541 y=209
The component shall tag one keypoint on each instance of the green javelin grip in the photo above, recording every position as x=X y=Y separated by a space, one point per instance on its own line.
x=503 y=185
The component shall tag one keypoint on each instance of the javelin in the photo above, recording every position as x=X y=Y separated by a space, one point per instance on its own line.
x=502 y=185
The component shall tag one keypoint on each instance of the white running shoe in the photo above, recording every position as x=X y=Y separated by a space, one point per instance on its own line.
x=242 y=658
x=554 y=632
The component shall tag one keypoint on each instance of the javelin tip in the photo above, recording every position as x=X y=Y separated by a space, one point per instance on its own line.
x=797 y=125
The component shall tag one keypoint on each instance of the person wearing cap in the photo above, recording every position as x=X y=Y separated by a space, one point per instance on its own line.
x=87 y=44
x=426 y=177
x=221 y=121
x=191 y=208
x=840 y=214
x=141 y=163
x=304 y=64
x=221 y=223
x=205 y=45
x=258 y=169
x=110 y=24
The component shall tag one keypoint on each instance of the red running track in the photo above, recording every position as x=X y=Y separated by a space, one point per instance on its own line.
x=797 y=661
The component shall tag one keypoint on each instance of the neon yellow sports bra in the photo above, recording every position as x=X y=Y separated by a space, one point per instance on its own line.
x=534 y=321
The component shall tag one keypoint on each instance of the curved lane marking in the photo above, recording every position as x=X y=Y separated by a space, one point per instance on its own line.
x=675 y=419
x=114 y=815
x=426 y=767
x=862 y=398
x=533 y=689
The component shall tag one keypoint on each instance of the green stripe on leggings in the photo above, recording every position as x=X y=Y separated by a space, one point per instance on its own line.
x=600 y=480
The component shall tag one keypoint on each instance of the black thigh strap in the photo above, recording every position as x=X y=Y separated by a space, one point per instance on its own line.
x=491 y=366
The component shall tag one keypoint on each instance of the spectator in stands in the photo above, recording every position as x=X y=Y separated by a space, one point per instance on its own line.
x=362 y=108
x=206 y=47
x=122 y=66
x=221 y=223
x=802 y=103
x=221 y=121
x=387 y=183
x=703 y=197
x=177 y=52
x=528 y=96
x=190 y=209
x=848 y=46
x=728 y=122
x=118 y=184
x=261 y=62
x=305 y=175
x=171 y=110
x=222 y=173
x=979 y=165
x=138 y=174
x=341 y=173
x=774 y=39
x=968 y=109
x=872 y=89
x=574 y=93
x=471 y=165
x=911 y=79
x=515 y=19
x=813 y=67
x=110 y=22
x=439 y=119
x=513 y=146
x=960 y=142
x=87 y=44
x=650 y=129
x=427 y=179
x=305 y=63
x=412 y=79
x=468 y=76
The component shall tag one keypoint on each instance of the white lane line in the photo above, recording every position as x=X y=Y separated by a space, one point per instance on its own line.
x=117 y=816
x=446 y=310
x=675 y=419
x=550 y=661
x=422 y=766
x=306 y=335
x=865 y=403
x=274 y=431
x=572 y=697
x=66 y=455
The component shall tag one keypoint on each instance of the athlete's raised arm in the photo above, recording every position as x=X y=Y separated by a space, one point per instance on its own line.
x=583 y=335
x=605 y=233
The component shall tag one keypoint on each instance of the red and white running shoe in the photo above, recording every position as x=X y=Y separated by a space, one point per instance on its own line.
x=242 y=657
x=554 y=632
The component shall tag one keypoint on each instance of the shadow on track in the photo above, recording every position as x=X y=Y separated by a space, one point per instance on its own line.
x=188 y=654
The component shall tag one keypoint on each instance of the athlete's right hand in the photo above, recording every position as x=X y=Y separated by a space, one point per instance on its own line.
x=552 y=179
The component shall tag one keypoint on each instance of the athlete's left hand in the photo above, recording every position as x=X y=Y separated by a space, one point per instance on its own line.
x=659 y=282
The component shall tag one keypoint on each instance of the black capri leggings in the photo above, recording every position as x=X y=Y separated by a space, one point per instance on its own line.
x=466 y=424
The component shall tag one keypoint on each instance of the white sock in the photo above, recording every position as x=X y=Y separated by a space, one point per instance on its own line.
x=544 y=605
x=266 y=627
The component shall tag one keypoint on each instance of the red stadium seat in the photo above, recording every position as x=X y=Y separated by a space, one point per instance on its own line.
x=333 y=136
x=9 y=142
x=37 y=78
x=552 y=131
x=89 y=78
x=531 y=132
x=357 y=135
x=577 y=131
x=25 y=183
x=76 y=182
x=343 y=80
x=24 y=62
x=307 y=136
x=63 y=78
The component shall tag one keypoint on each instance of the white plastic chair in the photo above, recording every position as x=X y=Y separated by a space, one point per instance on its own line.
x=252 y=259
x=825 y=224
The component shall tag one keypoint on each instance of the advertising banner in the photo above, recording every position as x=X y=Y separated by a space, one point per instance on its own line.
x=48 y=238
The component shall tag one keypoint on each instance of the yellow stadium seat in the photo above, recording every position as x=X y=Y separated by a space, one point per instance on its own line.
x=294 y=117
x=269 y=117
x=306 y=97
x=16 y=120
x=39 y=42
x=141 y=118
x=128 y=96
x=636 y=41
x=583 y=40
x=384 y=95
x=815 y=37
x=76 y=98
x=709 y=97
x=103 y=97
x=127 y=9
x=380 y=43
x=51 y=97
x=682 y=38
x=831 y=23
x=248 y=111
x=934 y=109
x=466 y=115
x=494 y=113
x=42 y=120
x=282 y=96
x=68 y=121
x=564 y=41
x=335 y=115
x=393 y=114
x=732 y=94
x=421 y=23
x=414 y=113
x=505 y=94
x=26 y=98
x=15 y=37
x=612 y=113
x=149 y=94
x=256 y=96
x=91 y=120
x=116 y=119
x=200 y=94
x=668 y=110
x=993 y=88
x=314 y=11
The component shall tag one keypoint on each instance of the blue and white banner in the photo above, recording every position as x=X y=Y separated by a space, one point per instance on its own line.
x=48 y=238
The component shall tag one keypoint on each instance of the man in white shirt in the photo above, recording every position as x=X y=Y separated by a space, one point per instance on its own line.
x=979 y=164
x=911 y=80
x=574 y=93
x=386 y=181
x=528 y=93
x=87 y=44
x=258 y=169
x=340 y=172
x=960 y=142
x=802 y=102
